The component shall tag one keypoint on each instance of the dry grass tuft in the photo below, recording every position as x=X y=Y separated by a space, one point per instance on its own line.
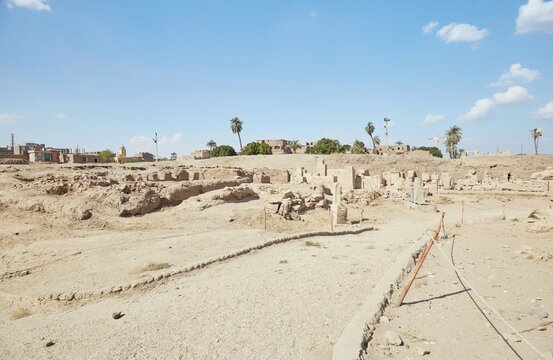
x=20 y=313
x=155 y=266
x=444 y=200
x=312 y=243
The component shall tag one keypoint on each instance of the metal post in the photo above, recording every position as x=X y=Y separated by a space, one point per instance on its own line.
x=155 y=141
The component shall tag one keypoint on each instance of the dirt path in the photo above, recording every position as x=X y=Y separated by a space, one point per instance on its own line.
x=289 y=301
x=510 y=267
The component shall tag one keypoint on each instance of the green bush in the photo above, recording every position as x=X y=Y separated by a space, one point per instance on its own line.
x=358 y=147
x=255 y=148
x=434 y=151
x=326 y=146
x=223 y=150
x=106 y=156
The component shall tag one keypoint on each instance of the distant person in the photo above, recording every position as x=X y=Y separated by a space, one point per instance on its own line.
x=509 y=177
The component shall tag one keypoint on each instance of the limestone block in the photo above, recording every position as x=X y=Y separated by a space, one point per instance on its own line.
x=181 y=175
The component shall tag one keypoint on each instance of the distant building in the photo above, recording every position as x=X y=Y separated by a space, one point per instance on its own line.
x=6 y=150
x=200 y=154
x=145 y=156
x=278 y=146
x=82 y=158
x=121 y=157
x=470 y=154
x=392 y=149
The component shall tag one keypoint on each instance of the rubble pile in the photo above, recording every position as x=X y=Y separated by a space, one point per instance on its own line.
x=290 y=204
x=540 y=221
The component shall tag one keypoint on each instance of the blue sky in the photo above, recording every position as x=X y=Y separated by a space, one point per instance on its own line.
x=102 y=73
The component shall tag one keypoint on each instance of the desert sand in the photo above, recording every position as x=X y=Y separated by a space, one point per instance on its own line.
x=200 y=266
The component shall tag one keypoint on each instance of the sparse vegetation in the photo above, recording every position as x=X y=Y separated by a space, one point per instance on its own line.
x=211 y=144
x=444 y=200
x=358 y=147
x=20 y=313
x=155 y=266
x=236 y=126
x=312 y=243
x=106 y=156
x=294 y=145
x=326 y=147
x=223 y=150
x=434 y=151
x=283 y=262
x=452 y=137
x=255 y=148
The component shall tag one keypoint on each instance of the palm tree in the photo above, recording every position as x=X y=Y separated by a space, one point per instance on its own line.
x=236 y=127
x=376 y=140
x=294 y=145
x=211 y=144
x=452 y=138
x=536 y=134
x=370 y=130
x=173 y=156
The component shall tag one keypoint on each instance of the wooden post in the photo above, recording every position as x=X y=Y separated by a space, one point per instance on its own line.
x=330 y=216
x=462 y=212
x=361 y=220
x=265 y=218
x=420 y=261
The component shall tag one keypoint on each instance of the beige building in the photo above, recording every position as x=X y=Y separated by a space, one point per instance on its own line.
x=145 y=156
x=392 y=149
x=82 y=158
x=278 y=146
x=121 y=157
x=200 y=154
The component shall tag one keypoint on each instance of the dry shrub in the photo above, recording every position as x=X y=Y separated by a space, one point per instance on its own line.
x=155 y=266
x=312 y=243
x=444 y=200
x=20 y=313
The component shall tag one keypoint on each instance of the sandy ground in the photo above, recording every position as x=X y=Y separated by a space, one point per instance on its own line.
x=286 y=301
x=510 y=267
x=289 y=301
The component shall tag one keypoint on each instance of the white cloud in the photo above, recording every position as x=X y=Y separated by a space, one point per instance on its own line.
x=461 y=33
x=517 y=74
x=313 y=13
x=429 y=28
x=36 y=5
x=7 y=118
x=170 y=140
x=545 y=112
x=140 y=141
x=480 y=109
x=61 y=116
x=432 y=119
x=535 y=16
x=513 y=95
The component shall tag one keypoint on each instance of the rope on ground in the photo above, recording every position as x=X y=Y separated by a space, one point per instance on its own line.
x=497 y=314
x=479 y=208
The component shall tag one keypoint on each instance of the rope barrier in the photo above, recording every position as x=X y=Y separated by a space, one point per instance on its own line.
x=496 y=208
x=471 y=287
